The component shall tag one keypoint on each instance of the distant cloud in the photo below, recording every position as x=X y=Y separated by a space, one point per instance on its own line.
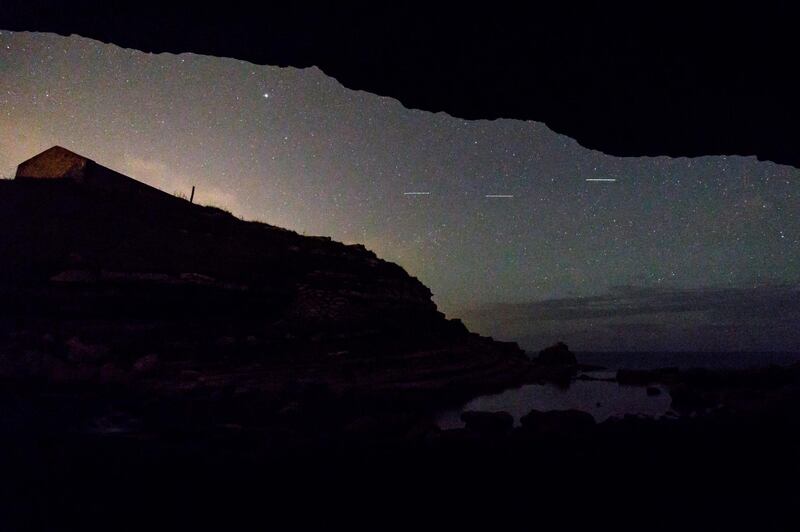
x=17 y=144
x=654 y=319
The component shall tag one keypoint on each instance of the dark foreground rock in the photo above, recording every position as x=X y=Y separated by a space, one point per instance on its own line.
x=68 y=459
x=643 y=377
x=170 y=368
x=563 y=422
x=488 y=423
x=689 y=399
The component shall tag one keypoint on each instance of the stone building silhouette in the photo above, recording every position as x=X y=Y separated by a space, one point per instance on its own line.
x=59 y=163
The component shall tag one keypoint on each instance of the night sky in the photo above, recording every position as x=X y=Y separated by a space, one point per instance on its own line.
x=295 y=149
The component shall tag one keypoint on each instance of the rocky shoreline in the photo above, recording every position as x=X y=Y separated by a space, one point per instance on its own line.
x=172 y=359
x=93 y=451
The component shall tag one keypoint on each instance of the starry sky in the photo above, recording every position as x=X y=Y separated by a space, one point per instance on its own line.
x=294 y=148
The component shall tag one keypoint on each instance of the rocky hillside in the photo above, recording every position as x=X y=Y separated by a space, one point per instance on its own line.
x=103 y=286
x=161 y=358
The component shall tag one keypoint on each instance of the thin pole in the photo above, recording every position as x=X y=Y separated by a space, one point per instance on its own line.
x=191 y=199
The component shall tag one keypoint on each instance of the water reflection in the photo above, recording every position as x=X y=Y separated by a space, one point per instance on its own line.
x=599 y=398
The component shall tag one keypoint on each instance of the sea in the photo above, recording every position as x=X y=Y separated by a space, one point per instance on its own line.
x=687 y=359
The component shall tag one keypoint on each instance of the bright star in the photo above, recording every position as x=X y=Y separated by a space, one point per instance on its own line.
x=266 y=95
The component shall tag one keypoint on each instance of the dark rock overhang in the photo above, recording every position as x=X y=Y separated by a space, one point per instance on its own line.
x=631 y=80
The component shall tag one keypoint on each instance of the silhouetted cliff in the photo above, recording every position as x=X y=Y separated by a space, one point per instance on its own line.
x=95 y=282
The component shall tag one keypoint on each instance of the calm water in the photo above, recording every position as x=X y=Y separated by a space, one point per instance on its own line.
x=608 y=399
x=601 y=399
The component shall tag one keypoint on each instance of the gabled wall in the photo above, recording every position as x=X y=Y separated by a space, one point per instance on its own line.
x=60 y=163
x=54 y=163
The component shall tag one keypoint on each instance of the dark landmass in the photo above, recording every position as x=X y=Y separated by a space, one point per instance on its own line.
x=627 y=79
x=160 y=294
x=164 y=364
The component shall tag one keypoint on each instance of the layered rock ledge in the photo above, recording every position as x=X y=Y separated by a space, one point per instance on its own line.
x=96 y=285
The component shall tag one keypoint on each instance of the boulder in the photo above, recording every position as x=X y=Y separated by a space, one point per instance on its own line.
x=557 y=355
x=81 y=352
x=687 y=399
x=109 y=373
x=146 y=364
x=488 y=423
x=566 y=422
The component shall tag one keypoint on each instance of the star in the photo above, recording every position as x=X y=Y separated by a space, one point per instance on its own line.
x=325 y=160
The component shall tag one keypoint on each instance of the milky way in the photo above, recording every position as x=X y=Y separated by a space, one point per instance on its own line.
x=504 y=211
